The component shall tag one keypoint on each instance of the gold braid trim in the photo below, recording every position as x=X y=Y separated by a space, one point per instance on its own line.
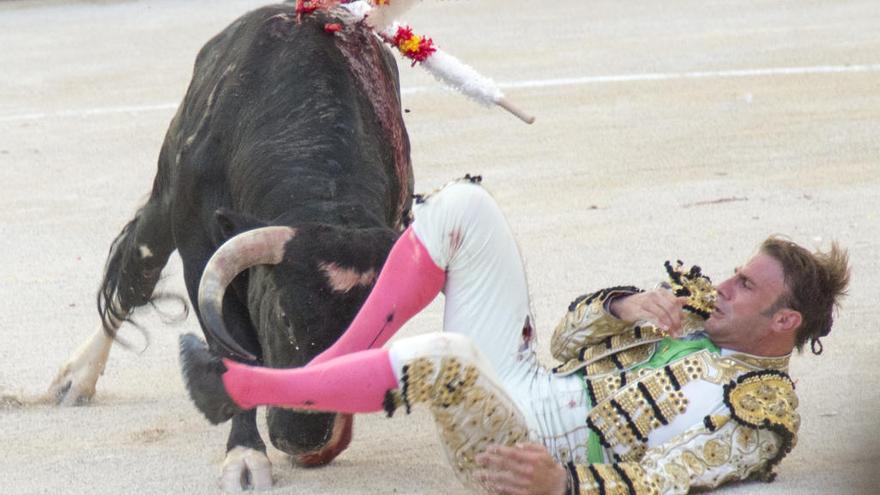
x=587 y=323
x=627 y=416
x=624 y=478
x=701 y=294
x=469 y=410
x=619 y=352
x=766 y=399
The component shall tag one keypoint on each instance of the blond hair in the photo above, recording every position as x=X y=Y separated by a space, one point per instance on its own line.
x=815 y=283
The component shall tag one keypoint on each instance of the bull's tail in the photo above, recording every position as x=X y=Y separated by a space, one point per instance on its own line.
x=133 y=268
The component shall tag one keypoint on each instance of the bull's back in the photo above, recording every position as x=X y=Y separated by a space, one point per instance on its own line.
x=284 y=120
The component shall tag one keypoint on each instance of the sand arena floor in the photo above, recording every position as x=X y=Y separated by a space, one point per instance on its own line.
x=679 y=129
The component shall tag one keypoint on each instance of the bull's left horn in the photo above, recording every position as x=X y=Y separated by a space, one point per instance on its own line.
x=263 y=246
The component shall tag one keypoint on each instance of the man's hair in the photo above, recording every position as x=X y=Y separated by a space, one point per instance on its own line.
x=814 y=284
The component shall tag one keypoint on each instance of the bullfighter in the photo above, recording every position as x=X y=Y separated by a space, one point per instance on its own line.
x=659 y=391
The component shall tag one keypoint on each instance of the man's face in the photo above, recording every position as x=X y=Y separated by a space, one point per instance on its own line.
x=741 y=320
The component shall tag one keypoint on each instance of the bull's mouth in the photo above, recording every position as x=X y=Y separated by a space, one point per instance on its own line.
x=339 y=440
x=309 y=438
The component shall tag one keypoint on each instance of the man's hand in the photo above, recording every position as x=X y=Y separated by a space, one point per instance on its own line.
x=524 y=469
x=658 y=306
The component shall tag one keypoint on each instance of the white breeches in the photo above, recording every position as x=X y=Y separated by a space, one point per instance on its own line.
x=487 y=302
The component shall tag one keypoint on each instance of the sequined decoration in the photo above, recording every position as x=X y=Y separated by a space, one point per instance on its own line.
x=617 y=352
x=469 y=410
x=697 y=287
x=616 y=479
x=623 y=418
x=766 y=399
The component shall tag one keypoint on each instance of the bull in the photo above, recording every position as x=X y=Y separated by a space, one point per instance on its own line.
x=289 y=158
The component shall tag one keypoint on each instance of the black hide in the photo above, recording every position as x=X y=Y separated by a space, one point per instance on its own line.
x=282 y=124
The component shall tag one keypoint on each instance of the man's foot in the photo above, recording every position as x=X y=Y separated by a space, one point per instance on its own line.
x=203 y=376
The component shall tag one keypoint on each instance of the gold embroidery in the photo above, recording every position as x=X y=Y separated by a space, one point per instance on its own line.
x=759 y=362
x=469 y=411
x=701 y=295
x=716 y=452
x=601 y=360
x=616 y=479
x=678 y=474
x=766 y=400
x=745 y=437
x=694 y=463
x=762 y=398
x=586 y=323
x=626 y=417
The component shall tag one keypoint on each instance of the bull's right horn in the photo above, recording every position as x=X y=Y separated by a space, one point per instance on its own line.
x=263 y=246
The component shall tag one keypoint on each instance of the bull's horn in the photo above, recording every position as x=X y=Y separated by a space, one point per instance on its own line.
x=263 y=246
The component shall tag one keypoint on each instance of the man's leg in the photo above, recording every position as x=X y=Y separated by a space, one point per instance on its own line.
x=446 y=372
x=487 y=297
x=408 y=282
x=353 y=383
x=471 y=407
x=459 y=242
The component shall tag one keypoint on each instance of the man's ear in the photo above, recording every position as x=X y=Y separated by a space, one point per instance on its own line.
x=787 y=320
x=227 y=224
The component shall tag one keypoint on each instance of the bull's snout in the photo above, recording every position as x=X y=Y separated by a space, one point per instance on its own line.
x=313 y=439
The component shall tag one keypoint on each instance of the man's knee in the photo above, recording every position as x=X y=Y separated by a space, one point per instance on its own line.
x=467 y=197
x=435 y=345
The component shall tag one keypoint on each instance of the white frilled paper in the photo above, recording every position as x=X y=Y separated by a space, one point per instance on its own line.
x=443 y=66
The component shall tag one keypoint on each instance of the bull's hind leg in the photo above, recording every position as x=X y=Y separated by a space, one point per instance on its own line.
x=134 y=264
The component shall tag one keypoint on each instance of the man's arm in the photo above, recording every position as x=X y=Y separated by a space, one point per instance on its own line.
x=587 y=322
x=594 y=317
x=525 y=469
x=659 y=306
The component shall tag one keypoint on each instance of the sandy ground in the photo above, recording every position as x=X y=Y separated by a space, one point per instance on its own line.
x=678 y=129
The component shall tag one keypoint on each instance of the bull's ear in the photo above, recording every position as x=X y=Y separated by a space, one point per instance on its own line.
x=228 y=223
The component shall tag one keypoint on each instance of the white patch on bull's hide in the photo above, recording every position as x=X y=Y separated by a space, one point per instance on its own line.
x=145 y=251
x=208 y=108
x=75 y=382
x=345 y=279
x=240 y=461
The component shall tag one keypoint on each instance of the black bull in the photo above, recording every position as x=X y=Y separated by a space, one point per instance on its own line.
x=283 y=124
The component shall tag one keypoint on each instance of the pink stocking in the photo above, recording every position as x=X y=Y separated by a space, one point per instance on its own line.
x=353 y=383
x=409 y=280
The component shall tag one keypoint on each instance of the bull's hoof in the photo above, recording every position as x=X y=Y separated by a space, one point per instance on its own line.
x=75 y=383
x=202 y=374
x=246 y=469
x=69 y=389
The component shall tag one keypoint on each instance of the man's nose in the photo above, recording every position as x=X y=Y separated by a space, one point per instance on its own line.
x=723 y=289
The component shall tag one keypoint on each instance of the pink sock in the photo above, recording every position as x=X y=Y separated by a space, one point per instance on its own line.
x=408 y=282
x=353 y=383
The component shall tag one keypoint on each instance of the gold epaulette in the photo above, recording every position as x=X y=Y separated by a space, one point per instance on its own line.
x=766 y=399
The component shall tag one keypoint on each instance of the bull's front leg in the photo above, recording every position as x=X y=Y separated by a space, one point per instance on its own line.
x=247 y=466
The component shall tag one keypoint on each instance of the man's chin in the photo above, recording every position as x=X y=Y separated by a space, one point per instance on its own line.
x=712 y=323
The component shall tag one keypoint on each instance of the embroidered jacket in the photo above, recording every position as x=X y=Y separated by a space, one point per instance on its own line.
x=697 y=421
